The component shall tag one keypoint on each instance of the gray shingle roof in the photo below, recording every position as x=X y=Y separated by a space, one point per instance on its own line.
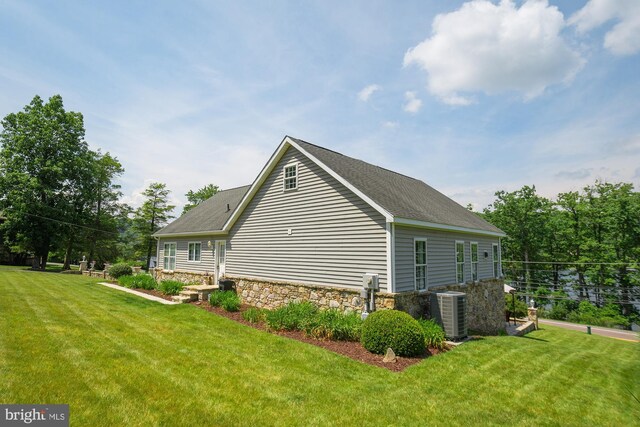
x=400 y=195
x=209 y=215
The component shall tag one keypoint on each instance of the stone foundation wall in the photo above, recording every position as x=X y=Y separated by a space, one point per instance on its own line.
x=485 y=304
x=184 y=277
x=273 y=295
x=485 y=299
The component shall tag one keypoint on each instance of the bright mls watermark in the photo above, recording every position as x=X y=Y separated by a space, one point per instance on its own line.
x=37 y=415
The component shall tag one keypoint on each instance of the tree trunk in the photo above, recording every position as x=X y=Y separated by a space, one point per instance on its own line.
x=68 y=253
x=527 y=275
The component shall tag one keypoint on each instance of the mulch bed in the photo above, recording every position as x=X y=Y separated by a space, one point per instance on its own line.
x=351 y=349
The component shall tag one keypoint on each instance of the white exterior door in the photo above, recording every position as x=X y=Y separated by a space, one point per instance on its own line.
x=221 y=254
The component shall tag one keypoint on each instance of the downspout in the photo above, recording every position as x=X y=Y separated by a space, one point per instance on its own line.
x=157 y=255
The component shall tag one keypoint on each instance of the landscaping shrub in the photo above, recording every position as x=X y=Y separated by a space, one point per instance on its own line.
x=292 y=316
x=334 y=325
x=215 y=299
x=118 y=270
x=520 y=309
x=433 y=334
x=126 y=281
x=230 y=301
x=140 y=281
x=225 y=299
x=253 y=315
x=170 y=287
x=392 y=329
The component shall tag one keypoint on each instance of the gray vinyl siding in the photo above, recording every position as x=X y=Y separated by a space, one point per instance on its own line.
x=206 y=263
x=336 y=237
x=441 y=256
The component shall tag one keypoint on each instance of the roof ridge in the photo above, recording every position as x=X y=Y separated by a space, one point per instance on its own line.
x=359 y=160
x=234 y=188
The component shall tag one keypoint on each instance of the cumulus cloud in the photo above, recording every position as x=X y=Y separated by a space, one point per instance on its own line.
x=492 y=48
x=624 y=37
x=366 y=92
x=412 y=104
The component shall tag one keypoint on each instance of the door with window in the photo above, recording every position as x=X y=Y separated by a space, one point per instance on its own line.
x=221 y=254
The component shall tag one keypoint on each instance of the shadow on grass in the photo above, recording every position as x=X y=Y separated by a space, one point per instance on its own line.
x=534 y=339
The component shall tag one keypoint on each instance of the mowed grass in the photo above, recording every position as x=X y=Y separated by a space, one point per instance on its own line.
x=117 y=359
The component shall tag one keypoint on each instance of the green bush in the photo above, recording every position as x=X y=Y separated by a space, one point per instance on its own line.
x=333 y=325
x=126 y=281
x=139 y=281
x=215 y=299
x=292 y=316
x=118 y=270
x=170 y=287
x=225 y=299
x=230 y=301
x=253 y=315
x=392 y=329
x=521 y=306
x=433 y=334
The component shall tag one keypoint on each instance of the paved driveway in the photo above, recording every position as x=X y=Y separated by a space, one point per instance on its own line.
x=596 y=330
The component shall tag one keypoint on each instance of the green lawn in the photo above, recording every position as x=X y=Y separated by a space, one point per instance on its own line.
x=117 y=359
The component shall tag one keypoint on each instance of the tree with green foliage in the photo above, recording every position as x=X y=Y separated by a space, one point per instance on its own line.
x=199 y=196
x=43 y=171
x=151 y=216
x=523 y=215
x=106 y=209
x=588 y=239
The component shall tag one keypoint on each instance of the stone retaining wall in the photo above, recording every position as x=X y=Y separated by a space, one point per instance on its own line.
x=273 y=295
x=184 y=277
x=485 y=299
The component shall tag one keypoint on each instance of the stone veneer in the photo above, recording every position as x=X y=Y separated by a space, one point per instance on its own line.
x=485 y=299
x=485 y=304
x=184 y=277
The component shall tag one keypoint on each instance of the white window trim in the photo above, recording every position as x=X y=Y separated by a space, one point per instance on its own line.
x=198 y=261
x=175 y=257
x=477 y=262
x=455 y=253
x=426 y=264
x=284 y=176
x=496 y=274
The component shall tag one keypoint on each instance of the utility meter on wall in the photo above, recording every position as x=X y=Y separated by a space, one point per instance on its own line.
x=370 y=281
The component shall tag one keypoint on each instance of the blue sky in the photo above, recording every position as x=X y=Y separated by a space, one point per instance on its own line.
x=470 y=97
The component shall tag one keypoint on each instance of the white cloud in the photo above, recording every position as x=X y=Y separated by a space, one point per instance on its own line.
x=624 y=37
x=366 y=92
x=484 y=47
x=413 y=104
x=575 y=174
x=390 y=125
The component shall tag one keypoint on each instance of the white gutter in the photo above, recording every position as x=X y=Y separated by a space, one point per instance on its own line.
x=444 y=227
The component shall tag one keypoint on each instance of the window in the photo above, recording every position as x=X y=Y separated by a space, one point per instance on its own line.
x=460 y=262
x=474 y=261
x=291 y=177
x=169 y=256
x=420 y=262
x=194 y=251
x=496 y=261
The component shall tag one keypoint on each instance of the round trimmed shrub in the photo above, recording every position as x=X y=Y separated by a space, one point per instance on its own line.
x=118 y=270
x=392 y=329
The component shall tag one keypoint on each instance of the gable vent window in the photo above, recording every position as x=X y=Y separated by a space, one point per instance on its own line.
x=291 y=177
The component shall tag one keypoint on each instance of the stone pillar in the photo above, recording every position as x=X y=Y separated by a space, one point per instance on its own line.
x=83 y=266
x=532 y=314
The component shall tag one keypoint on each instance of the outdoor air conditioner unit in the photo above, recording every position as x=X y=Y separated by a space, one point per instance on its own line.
x=449 y=309
x=370 y=281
